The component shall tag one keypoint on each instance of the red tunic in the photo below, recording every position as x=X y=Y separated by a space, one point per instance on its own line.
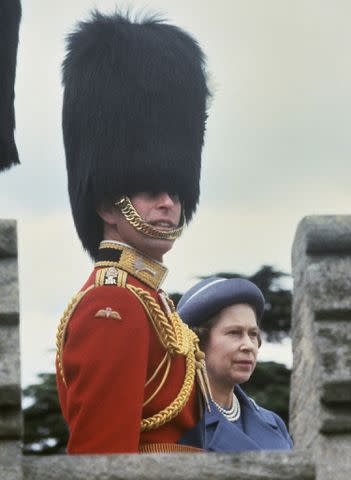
x=107 y=360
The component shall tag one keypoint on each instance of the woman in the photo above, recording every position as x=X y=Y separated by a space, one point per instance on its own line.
x=225 y=313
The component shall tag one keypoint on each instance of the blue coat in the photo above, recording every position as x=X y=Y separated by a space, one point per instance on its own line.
x=263 y=430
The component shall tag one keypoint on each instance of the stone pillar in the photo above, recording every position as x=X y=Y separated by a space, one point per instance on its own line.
x=10 y=384
x=320 y=408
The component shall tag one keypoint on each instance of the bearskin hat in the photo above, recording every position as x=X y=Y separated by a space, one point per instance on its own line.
x=134 y=114
x=10 y=16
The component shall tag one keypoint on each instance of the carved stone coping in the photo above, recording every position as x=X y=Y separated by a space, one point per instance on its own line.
x=244 y=466
x=320 y=236
x=325 y=234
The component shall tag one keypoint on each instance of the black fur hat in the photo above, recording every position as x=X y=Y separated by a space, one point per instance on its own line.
x=10 y=15
x=134 y=115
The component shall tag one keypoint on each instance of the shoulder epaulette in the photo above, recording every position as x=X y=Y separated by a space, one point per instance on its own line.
x=111 y=276
x=104 y=276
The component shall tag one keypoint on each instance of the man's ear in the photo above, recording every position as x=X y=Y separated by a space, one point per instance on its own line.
x=108 y=213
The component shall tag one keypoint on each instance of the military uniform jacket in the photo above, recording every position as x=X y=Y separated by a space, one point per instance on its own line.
x=123 y=385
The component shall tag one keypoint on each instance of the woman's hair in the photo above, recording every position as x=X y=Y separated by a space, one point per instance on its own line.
x=203 y=331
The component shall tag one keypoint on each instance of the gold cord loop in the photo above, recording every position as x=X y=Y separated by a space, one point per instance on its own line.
x=170 y=412
x=62 y=327
x=176 y=338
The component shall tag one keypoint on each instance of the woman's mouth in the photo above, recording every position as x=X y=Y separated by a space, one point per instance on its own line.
x=245 y=364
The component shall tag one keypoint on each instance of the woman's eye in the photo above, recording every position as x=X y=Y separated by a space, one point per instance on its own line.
x=255 y=336
x=234 y=332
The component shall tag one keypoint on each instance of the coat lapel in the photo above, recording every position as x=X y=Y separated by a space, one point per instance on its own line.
x=260 y=424
x=224 y=436
x=261 y=430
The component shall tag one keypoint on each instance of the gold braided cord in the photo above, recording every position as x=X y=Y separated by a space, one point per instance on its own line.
x=100 y=276
x=201 y=372
x=151 y=317
x=62 y=327
x=106 y=263
x=170 y=412
x=176 y=338
x=166 y=356
x=184 y=335
x=167 y=448
x=134 y=219
x=163 y=381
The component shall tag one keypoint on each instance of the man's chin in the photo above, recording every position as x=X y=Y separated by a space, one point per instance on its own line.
x=153 y=247
x=161 y=245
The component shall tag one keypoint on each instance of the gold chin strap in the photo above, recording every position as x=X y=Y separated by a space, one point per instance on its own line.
x=134 y=219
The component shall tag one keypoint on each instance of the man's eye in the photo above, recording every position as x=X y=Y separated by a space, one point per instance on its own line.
x=254 y=334
x=234 y=332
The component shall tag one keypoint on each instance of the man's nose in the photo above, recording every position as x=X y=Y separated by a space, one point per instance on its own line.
x=165 y=200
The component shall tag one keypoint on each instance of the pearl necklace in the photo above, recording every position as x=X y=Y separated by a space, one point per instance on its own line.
x=233 y=413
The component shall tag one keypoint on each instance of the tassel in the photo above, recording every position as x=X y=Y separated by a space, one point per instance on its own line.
x=202 y=377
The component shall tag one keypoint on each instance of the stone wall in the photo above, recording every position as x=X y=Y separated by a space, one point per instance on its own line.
x=320 y=407
x=320 y=396
x=244 y=466
x=10 y=392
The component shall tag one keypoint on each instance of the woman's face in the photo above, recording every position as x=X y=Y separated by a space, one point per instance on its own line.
x=232 y=346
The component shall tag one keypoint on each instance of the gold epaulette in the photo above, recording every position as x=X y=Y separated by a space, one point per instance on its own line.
x=111 y=276
x=104 y=276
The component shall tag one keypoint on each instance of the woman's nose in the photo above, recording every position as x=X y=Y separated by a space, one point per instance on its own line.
x=247 y=343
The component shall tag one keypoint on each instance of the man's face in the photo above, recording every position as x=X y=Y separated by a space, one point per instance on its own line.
x=161 y=210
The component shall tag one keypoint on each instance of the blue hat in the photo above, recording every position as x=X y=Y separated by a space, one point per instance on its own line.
x=209 y=296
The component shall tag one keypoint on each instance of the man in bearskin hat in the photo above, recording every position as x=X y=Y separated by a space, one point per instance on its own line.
x=134 y=116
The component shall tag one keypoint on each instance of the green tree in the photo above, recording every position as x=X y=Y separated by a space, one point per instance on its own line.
x=269 y=386
x=44 y=428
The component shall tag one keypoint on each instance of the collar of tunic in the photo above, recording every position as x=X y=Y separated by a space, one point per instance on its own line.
x=124 y=257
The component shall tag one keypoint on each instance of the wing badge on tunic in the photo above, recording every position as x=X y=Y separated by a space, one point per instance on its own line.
x=108 y=313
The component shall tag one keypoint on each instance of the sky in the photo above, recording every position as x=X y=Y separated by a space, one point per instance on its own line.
x=277 y=147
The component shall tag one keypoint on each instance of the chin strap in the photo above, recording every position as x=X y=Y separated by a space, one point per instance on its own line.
x=134 y=219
